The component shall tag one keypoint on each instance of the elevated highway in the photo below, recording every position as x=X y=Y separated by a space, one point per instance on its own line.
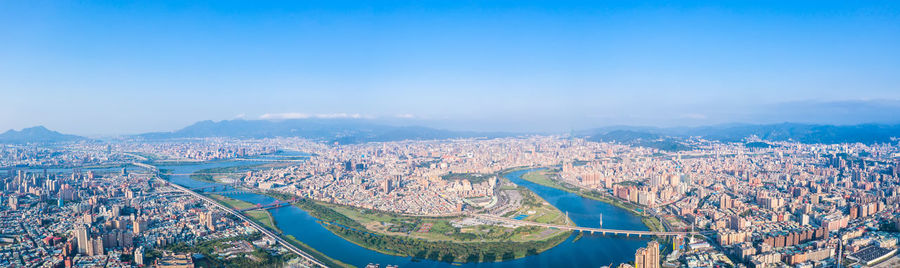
x=252 y=223
x=265 y=231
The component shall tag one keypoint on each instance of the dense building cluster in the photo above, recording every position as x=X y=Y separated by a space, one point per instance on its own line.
x=758 y=204
x=88 y=219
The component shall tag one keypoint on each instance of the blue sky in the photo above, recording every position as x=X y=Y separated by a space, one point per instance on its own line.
x=117 y=67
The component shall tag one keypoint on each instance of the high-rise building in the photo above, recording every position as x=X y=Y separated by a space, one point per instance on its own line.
x=115 y=211
x=97 y=247
x=647 y=257
x=129 y=194
x=13 y=202
x=209 y=219
x=82 y=235
x=386 y=186
x=639 y=258
x=139 y=255
x=652 y=258
x=138 y=226
x=724 y=201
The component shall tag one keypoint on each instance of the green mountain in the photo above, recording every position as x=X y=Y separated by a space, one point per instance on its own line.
x=343 y=131
x=38 y=134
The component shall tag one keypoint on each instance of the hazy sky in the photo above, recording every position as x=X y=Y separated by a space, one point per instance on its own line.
x=120 y=67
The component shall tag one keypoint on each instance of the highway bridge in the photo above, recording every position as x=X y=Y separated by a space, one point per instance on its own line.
x=276 y=204
x=234 y=191
x=583 y=229
x=252 y=223
x=269 y=160
x=151 y=168
x=189 y=174
x=309 y=258
x=224 y=186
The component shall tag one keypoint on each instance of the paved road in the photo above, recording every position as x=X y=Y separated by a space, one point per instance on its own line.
x=241 y=216
x=253 y=224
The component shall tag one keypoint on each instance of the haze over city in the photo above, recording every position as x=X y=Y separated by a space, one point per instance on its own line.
x=115 y=68
x=463 y=134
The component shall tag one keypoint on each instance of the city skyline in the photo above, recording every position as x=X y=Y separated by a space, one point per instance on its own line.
x=127 y=68
x=448 y=133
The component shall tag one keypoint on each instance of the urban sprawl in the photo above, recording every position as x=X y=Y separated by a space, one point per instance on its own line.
x=750 y=204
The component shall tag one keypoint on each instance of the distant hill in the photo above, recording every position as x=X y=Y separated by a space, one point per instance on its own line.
x=38 y=134
x=626 y=136
x=641 y=138
x=343 y=131
x=804 y=133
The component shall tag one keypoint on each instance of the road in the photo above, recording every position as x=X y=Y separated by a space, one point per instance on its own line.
x=252 y=223
x=240 y=216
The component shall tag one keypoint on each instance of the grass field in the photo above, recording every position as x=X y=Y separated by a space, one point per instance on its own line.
x=542 y=177
x=429 y=237
x=539 y=210
x=261 y=216
x=442 y=230
x=231 y=202
x=653 y=224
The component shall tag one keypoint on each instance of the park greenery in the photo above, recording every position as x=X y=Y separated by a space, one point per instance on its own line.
x=405 y=235
x=265 y=218
x=232 y=171
x=211 y=252
x=402 y=235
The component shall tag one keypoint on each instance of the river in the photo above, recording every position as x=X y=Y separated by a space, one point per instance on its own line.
x=589 y=251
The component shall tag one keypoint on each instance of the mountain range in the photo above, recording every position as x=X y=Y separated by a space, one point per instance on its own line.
x=342 y=131
x=804 y=133
x=38 y=134
x=350 y=131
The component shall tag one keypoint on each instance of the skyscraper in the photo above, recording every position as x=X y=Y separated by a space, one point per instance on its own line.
x=639 y=258
x=139 y=255
x=97 y=247
x=13 y=202
x=209 y=219
x=82 y=235
x=138 y=225
x=647 y=257
x=652 y=258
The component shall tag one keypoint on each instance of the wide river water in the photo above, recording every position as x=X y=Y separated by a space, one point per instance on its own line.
x=588 y=251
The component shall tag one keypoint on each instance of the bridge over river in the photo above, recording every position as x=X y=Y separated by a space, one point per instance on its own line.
x=265 y=231
x=583 y=229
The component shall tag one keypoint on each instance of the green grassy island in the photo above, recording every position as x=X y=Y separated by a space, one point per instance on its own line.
x=446 y=239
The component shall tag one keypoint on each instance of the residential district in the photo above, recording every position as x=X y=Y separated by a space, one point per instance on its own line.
x=741 y=204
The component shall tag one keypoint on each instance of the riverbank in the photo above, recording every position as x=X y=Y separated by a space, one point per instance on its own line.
x=312 y=231
x=429 y=238
x=265 y=218
x=542 y=177
x=260 y=216
x=232 y=173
